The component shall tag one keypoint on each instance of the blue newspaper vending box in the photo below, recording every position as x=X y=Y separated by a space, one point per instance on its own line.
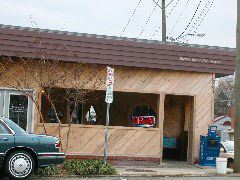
x=209 y=147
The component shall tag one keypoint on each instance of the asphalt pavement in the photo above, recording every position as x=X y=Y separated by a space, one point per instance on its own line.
x=142 y=178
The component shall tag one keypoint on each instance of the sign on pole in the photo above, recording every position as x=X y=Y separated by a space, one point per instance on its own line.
x=108 y=100
x=109 y=85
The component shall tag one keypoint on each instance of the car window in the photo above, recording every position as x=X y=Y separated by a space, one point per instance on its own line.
x=14 y=126
x=3 y=130
x=230 y=146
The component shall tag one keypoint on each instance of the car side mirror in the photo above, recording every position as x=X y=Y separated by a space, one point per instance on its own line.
x=222 y=150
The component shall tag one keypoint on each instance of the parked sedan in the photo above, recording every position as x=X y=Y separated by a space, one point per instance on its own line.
x=21 y=153
x=227 y=151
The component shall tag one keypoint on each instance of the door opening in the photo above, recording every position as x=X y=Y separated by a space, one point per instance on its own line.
x=177 y=119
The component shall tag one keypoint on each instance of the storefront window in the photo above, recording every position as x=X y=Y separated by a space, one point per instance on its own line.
x=68 y=109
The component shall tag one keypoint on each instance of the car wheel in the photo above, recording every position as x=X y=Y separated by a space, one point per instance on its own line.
x=19 y=165
x=230 y=163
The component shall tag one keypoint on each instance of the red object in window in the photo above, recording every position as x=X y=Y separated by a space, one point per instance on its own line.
x=143 y=121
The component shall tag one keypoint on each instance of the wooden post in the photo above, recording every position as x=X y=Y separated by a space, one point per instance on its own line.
x=187 y=127
x=192 y=127
x=160 y=108
x=164 y=38
x=190 y=116
x=237 y=98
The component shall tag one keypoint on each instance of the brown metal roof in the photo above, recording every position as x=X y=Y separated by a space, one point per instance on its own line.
x=69 y=46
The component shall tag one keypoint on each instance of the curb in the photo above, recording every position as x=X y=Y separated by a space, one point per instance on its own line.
x=144 y=175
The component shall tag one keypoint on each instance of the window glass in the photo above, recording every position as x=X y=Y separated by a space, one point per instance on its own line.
x=3 y=130
x=143 y=116
x=18 y=110
x=230 y=146
x=14 y=126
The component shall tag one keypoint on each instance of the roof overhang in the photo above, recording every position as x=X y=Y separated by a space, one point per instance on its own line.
x=67 y=46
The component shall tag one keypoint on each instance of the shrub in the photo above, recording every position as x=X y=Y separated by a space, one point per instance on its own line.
x=50 y=171
x=88 y=167
x=77 y=167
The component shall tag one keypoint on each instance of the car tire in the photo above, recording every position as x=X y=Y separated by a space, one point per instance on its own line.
x=19 y=165
x=2 y=174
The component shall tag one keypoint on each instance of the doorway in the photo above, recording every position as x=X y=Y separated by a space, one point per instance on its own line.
x=17 y=107
x=177 y=128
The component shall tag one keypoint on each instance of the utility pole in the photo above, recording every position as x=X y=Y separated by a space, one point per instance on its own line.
x=164 y=29
x=237 y=98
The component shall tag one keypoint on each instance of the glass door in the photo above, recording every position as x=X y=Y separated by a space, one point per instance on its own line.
x=18 y=107
x=18 y=110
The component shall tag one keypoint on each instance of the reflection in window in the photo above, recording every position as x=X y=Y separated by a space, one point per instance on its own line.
x=3 y=130
x=18 y=110
x=52 y=116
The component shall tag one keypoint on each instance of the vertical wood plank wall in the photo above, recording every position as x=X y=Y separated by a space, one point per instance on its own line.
x=128 y=79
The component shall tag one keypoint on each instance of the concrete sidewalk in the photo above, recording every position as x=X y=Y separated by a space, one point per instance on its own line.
x=169 y=169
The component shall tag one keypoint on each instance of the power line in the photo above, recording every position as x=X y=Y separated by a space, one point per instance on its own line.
x=196 y=20
x=203 y=17
x=169 y=4
x=179 y=17
x=190 y=20
x=160 y=6
x=159 y=27
x=124 y=29
x=173 y=8
x=149 y=17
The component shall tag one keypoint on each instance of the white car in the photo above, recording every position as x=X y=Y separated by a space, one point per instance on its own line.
x=227 y=151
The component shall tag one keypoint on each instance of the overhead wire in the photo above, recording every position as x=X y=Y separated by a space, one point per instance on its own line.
x=179 y=17
x=190 y=20
x=198 y=24
x=133 y=13
x=196 y=20
x=170 y=12
x=149 y=17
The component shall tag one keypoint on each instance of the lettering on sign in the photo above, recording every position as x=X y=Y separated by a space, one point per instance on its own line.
x=109 y=85
x=199 y=60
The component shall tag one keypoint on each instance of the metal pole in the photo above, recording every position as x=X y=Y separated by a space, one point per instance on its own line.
x=106 y=134
x=237 y=98
x=164 y=28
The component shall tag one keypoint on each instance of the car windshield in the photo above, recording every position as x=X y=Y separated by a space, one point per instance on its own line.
x=229 y=145
x=14 y=126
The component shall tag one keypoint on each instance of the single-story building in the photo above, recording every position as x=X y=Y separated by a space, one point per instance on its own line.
x=163 y=92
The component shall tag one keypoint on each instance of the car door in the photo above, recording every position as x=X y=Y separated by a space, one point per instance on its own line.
x=6 y=140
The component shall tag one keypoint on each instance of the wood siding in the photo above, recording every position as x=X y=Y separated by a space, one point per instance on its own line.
x=128 y=79
x=123 y=141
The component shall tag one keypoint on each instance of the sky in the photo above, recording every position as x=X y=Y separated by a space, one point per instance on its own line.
x=109 y=17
